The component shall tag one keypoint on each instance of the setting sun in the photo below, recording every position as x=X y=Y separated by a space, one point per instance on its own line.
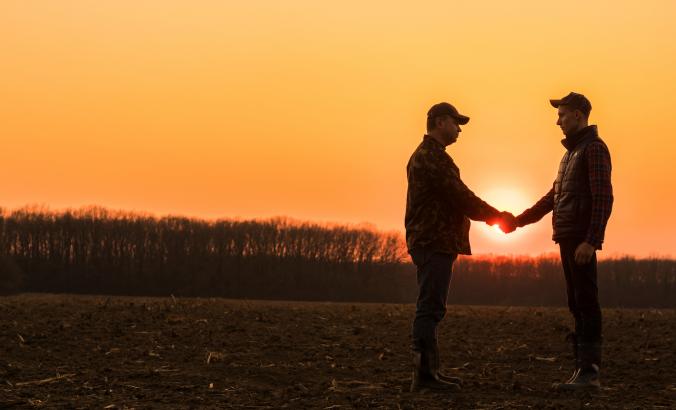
x=497 y=228
x=504 y=199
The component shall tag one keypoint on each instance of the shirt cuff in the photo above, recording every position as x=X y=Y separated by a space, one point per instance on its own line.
x=593 y=241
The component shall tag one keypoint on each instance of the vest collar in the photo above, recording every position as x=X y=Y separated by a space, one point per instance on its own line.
x=589 y=132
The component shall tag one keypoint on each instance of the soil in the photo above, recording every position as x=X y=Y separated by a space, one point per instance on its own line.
x=65 y=351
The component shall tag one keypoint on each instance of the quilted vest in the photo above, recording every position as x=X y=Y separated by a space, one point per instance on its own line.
x=572 y=193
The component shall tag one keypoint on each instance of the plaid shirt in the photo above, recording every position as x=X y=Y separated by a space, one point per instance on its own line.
x=599 y=167
x=439 y=205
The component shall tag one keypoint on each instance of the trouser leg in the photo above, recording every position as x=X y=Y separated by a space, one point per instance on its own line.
x=434 y=276
x=434 y=271
x=582 y=289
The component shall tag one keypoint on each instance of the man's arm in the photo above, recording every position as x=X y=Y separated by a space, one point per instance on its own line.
x=599 y=166
x=470 y=204
x=537 y=211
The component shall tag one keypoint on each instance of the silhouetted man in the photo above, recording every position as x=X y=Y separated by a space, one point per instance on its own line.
x=438 y=208
x=581 y=200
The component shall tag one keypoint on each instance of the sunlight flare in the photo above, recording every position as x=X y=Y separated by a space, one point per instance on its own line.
x=504 y=199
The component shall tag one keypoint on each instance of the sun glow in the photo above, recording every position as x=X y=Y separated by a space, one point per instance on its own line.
x=504 y=199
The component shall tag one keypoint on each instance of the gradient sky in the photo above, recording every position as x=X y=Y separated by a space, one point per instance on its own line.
x=311 y=109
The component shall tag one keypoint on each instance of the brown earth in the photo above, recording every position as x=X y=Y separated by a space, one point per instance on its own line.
x=117 y=352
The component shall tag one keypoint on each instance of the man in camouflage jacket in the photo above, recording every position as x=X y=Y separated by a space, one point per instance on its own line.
x=439 y=207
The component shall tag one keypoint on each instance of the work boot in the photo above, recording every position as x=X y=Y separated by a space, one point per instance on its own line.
x=449 y=379
x=583 y=379
x=587 y=376
x=426 y=378
x=572 y=338
x=435 y=358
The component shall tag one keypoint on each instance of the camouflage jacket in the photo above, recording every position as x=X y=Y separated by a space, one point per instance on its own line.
x=438 y=204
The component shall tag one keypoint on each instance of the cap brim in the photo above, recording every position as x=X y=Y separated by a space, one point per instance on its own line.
x=556 y=103
x=462 y=120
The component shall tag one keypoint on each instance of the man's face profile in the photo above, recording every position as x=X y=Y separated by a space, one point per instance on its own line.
x=569 y=119
x=449 y=129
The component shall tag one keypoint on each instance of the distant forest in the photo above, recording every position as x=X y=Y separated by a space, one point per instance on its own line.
x=99 y=251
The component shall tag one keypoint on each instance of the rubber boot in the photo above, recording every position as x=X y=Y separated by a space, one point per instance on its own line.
x=425 y=375
x=437 y=366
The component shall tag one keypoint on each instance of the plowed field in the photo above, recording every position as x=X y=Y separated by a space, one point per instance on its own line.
x=63 y=351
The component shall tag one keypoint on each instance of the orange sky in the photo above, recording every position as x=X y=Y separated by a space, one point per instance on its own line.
x=311 y=109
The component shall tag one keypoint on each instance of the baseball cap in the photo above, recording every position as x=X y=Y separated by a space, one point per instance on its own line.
x=575 y=101
x=444 y=108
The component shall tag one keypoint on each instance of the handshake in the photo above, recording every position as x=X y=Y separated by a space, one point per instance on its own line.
x=505 y=220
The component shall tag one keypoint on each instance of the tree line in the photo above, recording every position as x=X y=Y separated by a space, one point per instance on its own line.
x=100 y=251
x=539 y=281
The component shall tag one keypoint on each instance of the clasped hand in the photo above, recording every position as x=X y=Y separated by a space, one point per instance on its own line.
x=505 y=220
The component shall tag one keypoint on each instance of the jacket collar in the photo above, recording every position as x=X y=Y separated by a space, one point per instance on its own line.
x=428 y=140
x=570 y=142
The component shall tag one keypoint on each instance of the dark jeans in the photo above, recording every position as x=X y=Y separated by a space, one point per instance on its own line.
x=434 y=278
x=583 y=293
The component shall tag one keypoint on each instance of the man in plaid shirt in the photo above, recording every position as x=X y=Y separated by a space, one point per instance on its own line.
x=439 y=207
x=581 y=200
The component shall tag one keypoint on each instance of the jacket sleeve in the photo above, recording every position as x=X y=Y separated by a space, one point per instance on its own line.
x=537 y=211
x=458 y=194
x=599 y=166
